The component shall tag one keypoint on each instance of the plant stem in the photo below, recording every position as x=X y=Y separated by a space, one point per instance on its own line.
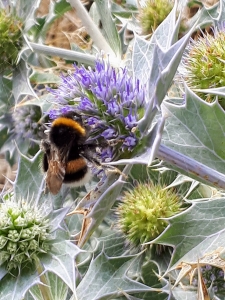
x=91 y=28
x=64 y=53
x=44 y=289
x=190 y=167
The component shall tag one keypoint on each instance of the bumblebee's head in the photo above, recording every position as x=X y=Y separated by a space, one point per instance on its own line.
x=73 y=116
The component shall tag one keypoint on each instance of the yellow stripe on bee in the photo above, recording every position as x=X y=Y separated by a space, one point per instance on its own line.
x=69 y=122
x=75 y=165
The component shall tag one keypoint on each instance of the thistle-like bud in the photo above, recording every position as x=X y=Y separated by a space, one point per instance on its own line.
x=27 y=123
x=142 y=211
x=24 y=234
x=10 y=39
x=205 y=64
x=153 y=14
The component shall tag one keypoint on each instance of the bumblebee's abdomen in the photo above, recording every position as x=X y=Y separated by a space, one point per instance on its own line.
x=77 y=172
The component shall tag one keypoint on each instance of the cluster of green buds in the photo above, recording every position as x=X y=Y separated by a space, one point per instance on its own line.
x=10 y=39
x=142 y=211
x=153 y=14
x=205 y=64
x=24 y=234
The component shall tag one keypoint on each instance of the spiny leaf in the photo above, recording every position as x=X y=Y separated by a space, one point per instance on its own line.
x=196 y=129
x=26 y=11
x=61 y=261
x=180 y=293
x=58 y=289
x=21 y=83
x=29 y=180
x=143 y=49
x=196 y=231
x=14 y=288
x=105 y=196
x=106 y=277
x=6 y=97
x=109 y=26
x=39 y=77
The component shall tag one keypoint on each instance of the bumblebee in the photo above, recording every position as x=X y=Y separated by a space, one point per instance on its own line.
x=67 y=152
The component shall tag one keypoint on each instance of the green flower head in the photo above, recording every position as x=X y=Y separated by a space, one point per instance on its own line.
x=142 y=211
x=205 y=64
x=10 y=39
x=153 y=14
x=24 y=234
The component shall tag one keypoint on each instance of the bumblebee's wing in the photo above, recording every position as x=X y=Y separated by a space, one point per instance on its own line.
x=56 y=171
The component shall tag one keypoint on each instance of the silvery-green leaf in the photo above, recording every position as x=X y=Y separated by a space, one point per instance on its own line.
x=109 y=26
x=143 y=61
x=220 y=91
x=64 y=53
x=14 y=288
x=56 y=217
x=44 y=101
x=29 y=180
x=58 y=290
x=179 y=293
x=26 y=11
x=217 y=12
x=44 y=78
x=6 y=98
x=165 y=33
x=105 y=196
x=197 y=130
x=196 y=231
x=21 y=83
x=106 y=278
x=61 y=260
x=208 y=14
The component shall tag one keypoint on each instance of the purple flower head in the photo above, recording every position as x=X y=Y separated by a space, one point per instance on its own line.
x=109 y=133
x=212 y=277
x=130 y=121
x=26 y=120
x=129 y=142
x=107 y=154
x=92 y=121
x=55 y=113
x=208 y=267
x=104 y=96
x=221 y=274
x=113 y=108
x=85 y=105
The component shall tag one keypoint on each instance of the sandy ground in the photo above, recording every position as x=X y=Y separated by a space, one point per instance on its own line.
x=6 y=172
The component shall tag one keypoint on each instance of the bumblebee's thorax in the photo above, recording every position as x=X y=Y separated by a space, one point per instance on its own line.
x=65 y=131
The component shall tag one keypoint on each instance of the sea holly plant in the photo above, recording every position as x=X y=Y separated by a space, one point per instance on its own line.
x=149 y=224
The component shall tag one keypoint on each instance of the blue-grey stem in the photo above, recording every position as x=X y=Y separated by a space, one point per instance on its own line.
x=64 y=53
x=191 y=167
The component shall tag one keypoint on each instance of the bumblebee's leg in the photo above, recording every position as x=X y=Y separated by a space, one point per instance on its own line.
x=112 y=169
x=46 y=148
